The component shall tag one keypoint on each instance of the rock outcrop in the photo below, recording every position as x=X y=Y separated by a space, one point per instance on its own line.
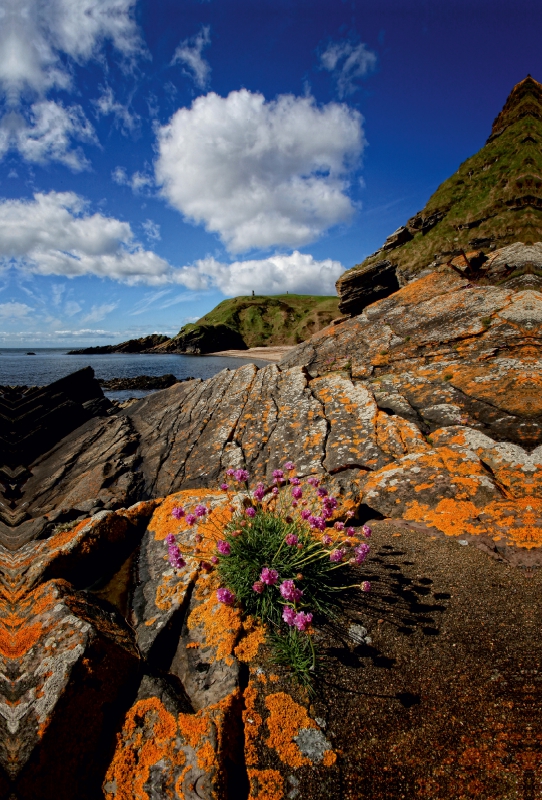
x=423 y=414
x=493 y=200
x=142 y=345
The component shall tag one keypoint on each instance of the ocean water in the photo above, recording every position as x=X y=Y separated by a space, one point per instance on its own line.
x=50 y=364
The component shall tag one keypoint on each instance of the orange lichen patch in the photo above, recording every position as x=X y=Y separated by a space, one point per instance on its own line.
x=60 y=539
x=222 y=624
x=265 y=784
x=329 y=758
x=171 y=591
x=252 y=721
x=148 y=736
x=140 y=510
x=248 y=647
x=193 y=727
x=437 y=283
x=286 y=718
x=398 y=437
x=163 y=523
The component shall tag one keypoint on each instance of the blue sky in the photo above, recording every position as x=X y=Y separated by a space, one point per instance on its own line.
x=160 y=156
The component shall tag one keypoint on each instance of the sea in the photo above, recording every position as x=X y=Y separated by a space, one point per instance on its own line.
x=38 y=367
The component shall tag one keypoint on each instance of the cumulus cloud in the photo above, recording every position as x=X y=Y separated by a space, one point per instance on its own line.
x=39 y=39
x=298 y=273
x=348 y=62
x=138 y=182
x=40 y=42
x=54 y=234
x=260 y=173
x=106 y=105
x=13 y=310
x=189 y=53
x=152 y=230
x=49 y=135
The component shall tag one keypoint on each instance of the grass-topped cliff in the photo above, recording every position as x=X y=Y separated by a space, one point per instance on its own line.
x=258 y=321
x=494 y=199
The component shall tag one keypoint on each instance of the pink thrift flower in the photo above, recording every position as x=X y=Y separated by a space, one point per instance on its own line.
x=289 y=591
x=190 y=519
x=214 y=559
x=302 y=621
x=275 y=490
x=349 y=514
x=225 y=596
x=350 y=531
x=291 y=539
x=305 y=514
x=206 y=566
x=313 y=481
x=230 y=472
x=178 y=512
x=295 y=481
x=269 y=576
x=326 y=539
x=278 y=473
x=365 y=586
x=258 y=587
x=336 y=555
x=224 y=487
x=289 y=465
x=170 y=538
x=288 y=615
x=294 y=504
x=322 y=491
x=250 y=512
x=297 y=493
x=339 y=526
x=259 y=495
x=224 y=548
x=241 y=475
x=366 y=531
x=200 y=511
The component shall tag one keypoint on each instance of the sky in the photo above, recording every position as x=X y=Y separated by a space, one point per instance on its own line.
x=159 y=156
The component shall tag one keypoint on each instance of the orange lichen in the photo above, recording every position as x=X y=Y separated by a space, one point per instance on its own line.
x=148 y=736
x=286 y=718
x=265 y=784
x=193 y=727
x=221 y=623
x=252 y=722
x=248 y=647
x=329 y=758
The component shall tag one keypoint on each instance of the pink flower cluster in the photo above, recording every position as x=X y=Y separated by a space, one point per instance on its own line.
x=299 y=619
x=178 y=512
x=174 y=554
x=225 y=596
x=290 y=592
x=361 y=552
x=224 y=548
x=240 y=475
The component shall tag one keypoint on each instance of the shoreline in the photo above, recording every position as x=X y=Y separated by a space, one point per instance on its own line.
x=271 y=354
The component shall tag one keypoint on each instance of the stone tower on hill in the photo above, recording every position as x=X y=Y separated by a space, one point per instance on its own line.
x=493 y=200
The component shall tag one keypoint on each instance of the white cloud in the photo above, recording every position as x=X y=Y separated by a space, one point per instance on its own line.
x=152 y=230
x=348 y=62
x=72 y=307
x=138 y=182
x=297 y=273
x=260 y=173
x=54 y=234
x=189 y=53
x=57 y=291
x=14 y=310
x=40 y=43
x=48 y=137
x=106 y=104
x=39 y=38
x=97 y=313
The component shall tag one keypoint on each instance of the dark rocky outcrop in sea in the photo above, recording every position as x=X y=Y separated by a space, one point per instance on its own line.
x=121 y=677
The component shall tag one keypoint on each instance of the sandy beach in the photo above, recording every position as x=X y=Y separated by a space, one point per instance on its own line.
x=271 y=354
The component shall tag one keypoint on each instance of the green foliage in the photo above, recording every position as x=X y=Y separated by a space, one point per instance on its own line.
x=295 y=650
x=262 y=544
x=270 y=320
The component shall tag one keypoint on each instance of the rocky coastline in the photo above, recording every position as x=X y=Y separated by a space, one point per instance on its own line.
x=122 y=677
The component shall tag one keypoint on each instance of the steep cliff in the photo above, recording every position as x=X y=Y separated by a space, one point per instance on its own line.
x=494 y=199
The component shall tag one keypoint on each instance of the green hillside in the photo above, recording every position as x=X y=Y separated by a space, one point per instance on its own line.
x=258 y=321
x=492 y=200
